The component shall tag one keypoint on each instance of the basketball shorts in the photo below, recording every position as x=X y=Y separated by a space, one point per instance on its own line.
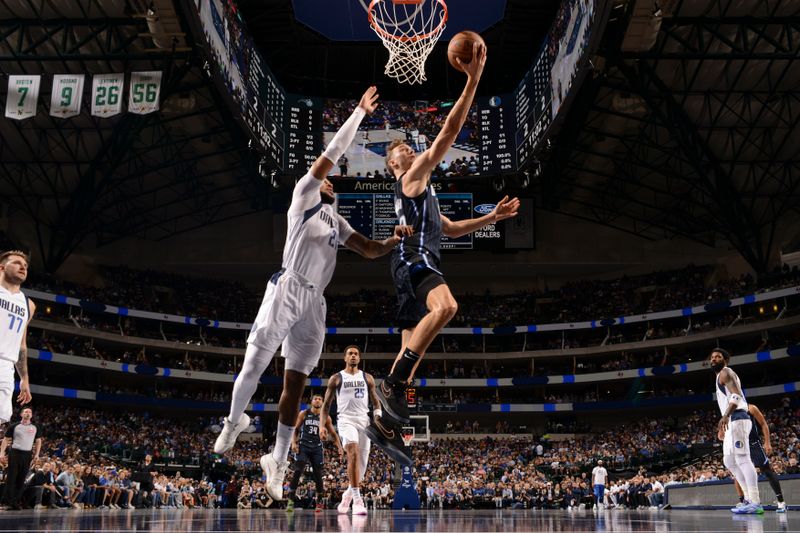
x=292 y=314
x=737 y=436
x=413 y=284
x=310 y=455
x=758 y=455
x=6 y=390
x=353 y=429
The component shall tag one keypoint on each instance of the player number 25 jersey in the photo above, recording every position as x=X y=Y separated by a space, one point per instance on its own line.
x=352 y=399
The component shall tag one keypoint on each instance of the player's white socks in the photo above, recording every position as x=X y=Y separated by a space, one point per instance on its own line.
x=255 y=363
x=282 y=442
x=355 y=492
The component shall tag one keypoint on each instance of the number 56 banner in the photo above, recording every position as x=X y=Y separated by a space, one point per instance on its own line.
x=23 y=94
x=144 y=91
x=107 y=94
x=65 y=99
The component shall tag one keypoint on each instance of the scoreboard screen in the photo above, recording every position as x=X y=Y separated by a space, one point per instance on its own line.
x=373 y=214
x=303 y=132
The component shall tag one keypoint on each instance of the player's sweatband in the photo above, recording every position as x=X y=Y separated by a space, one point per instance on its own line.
x=338 y=145
x=377 y=413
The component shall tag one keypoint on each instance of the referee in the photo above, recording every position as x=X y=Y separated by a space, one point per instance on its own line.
x=25 y=439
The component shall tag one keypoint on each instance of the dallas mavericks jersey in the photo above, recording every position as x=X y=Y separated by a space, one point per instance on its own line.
x=421 y=213
x=723 y=396
x=351 y=399
x=309 y=431
x=313 y=234
x=14 y=314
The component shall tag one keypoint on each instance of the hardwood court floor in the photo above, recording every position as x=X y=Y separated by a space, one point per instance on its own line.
x=507 y=521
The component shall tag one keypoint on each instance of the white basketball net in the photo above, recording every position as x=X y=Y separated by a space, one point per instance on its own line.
x=409 y=29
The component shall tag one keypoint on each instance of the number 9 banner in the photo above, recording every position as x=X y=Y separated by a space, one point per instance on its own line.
x=66 y=96
x=144 y=92
x=107 y=94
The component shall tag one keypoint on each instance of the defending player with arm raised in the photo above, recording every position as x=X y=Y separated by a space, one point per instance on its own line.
x=292 y=313
x=353 y=390
x=425 y=303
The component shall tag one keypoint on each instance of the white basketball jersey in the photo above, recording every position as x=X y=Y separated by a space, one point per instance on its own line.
x=724 y=395
x=313 y=234
x=352 y=399
x=14 y=314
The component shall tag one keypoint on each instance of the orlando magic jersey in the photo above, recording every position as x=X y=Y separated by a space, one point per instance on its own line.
x=352 y=400
x=422 y=214
x=15 y=312
x=309 y=431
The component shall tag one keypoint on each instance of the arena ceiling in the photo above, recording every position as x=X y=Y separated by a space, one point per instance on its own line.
x=688 y=128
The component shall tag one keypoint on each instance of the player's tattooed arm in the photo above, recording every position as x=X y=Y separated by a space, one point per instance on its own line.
x=373 y=396
x=330 y=393
x=22 y=362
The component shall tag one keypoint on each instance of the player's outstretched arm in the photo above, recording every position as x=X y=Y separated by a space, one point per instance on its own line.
x=330 y=392
x=344 y=137
x=22 y=361
x=504 y=209
x=417 y=175
x=371 y=249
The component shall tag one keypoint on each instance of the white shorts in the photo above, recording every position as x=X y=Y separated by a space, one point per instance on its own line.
x=737 y=437
x=6 y=390
x=293 y=314
x=353 y=430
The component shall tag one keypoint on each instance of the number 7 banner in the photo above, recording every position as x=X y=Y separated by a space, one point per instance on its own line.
x=107 y=94
x=22 y=97
x=66 y=96
x=143 y=92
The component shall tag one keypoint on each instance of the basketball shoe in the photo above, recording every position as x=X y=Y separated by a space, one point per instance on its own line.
x=230 y=431
x=394 y=405
x=275 y=472
x=347 y=499
x=387 y=437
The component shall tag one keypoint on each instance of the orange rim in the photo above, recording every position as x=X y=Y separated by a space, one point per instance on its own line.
x=403 y=38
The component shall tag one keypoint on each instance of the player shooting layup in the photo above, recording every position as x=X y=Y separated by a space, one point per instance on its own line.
x=293 y=310
x=425 y=302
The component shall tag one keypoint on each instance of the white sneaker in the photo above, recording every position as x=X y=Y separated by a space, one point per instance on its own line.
x=276 y=473
x=358 y=506
x=229 y=433
x=347 y=499
x=781 y=507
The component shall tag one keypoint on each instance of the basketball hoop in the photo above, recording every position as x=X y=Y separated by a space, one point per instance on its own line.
x=409 y=29
x=408 y=433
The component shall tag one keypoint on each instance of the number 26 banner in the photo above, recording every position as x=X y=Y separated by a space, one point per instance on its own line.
x=144 y=91
x=65 y=99
x=107 y=94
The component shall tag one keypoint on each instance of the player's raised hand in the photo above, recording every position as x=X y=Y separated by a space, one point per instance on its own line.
x=506 y=208
x=474 y=68
x=369 y=101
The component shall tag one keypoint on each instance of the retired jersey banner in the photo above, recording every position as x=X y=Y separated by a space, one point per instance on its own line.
x=143 y=92
x=66 y=96
x=107 y=94
x=23 y=94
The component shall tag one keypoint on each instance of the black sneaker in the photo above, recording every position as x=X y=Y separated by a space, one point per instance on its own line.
x=394 y=403
x=387 y=437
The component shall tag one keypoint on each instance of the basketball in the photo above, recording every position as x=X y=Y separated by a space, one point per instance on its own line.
x=461 y=46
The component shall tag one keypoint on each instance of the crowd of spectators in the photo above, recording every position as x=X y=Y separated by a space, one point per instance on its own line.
x=94 y=459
